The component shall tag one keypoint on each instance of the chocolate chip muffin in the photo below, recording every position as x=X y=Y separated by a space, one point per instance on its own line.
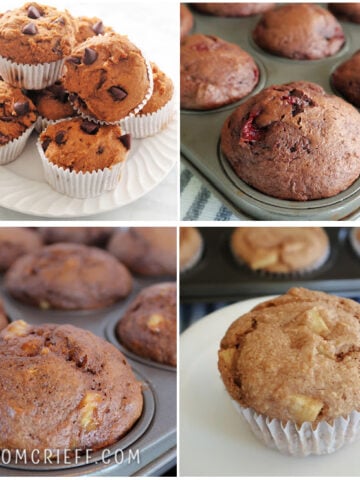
x=68 y=276
x=86 y=27
x=299 y=31
x=15 y=242
x=291 y=364
x=280 y=249
x=148 y=251
x=191 y=247
x=214 y=72
x=233 y=9
x=186 y=21
x=294 y=142
x=97 y=236
x=66 y=389
x=346 y=79
x=148 y=327
x=346 y=11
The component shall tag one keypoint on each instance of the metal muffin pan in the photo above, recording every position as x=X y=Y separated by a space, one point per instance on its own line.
x=219 y=277
x=200 y=130
x=154 y=434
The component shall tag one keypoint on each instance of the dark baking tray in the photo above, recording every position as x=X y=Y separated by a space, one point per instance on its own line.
x=154 y=435
x=219 y=277
x=200 y=131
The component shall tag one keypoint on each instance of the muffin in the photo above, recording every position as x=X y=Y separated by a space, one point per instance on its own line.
x=120 y=78
x=17 y=120
x=294 y=142
x=346 y=11
x=97 y=236
x=214 y=72
x=86 y=27
x=191 y=247
x=158 y=111
x=148 y=327
x=355 y=240
x=148 y=251
x=280 y=249
x=15 y=242
x=68 y=276
x=34 y=41
x=299 y=31
x=66 y=390
x=186 y=21
x=291 y=366
x=346 y=79
x=233 y=9
x=83 y=159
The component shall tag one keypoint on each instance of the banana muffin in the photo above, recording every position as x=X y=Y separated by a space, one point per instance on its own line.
x=346 y=79
x=63 y=389
x=186 y=21
x=233 y=9
x=148 y=251
x=346 y=11
x=15 y=242
x=97 y=236
x=191 y=247
x=214 y=72
x=148 y=327
x=294 y=142
x=292 y=364
x=68 y=276
x=280 y=249
x=299 y=31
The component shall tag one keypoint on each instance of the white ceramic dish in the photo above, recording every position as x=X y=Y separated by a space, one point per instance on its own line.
x=214 y=439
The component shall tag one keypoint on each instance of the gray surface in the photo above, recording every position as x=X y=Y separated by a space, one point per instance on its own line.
x=155 y=433
x=200 y=131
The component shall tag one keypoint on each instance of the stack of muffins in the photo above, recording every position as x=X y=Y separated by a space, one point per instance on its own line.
x=93 y=90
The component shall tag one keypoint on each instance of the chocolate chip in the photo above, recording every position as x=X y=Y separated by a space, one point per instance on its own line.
x=30 y=29
x=89 y=56
x=21 y=108
x=126 y=140
x=33 y=12
x=46 y=143
x=100 y=150
x=75 y=60
x=89 y=127
x=60 y=137
x=98 y=28
x=117 y=93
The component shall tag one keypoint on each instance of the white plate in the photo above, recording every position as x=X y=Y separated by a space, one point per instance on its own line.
x=214 y=439
x=23 y=187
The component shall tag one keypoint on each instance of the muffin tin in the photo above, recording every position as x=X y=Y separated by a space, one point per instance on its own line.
x=154 y=434
x=219 y=277
x=200 y=131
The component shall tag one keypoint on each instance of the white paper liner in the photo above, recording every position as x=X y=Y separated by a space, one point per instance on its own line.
x=135 y=110
x=304 y=440
x=13 y=149
x=79 y=184
x=141 y=126
x=31 y=77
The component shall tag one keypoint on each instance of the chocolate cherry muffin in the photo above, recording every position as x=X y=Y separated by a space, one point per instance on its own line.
x=291 y=365
x=186 y=21
x=294 y=142
x=299 y=31
x=15 y=242
x=233 y=9
x=64 y=389
x=148 y=251
x=148 y=327
x=97 y=236
x=68 y=276
x=214 y=72
x=346 y=11
x=346 y=79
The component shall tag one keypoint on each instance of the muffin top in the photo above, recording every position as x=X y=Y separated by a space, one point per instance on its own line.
x=17 y=113
x=162 y=92
x=15 y=242
x=346 y=11
x=304 y=139
x=148 y=327
x=68 y=276
x=52 y=102
x=295 y=357
x=36 y=33
x=84 y=146
x=346 y=79
x=63 y=388
x=186 y=21
x=299 y=31
x=233 y=9
x=191 y=246
x=86 y=27
x=107 y=77
x=280 y=249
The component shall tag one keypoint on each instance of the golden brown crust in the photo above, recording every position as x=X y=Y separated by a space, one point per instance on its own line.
x=162 y=93
x=191 y=247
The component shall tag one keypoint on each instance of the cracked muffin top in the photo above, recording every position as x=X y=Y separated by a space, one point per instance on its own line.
x=63 y=388
x=295 y=357
x=294 y=142
x=299 y=31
